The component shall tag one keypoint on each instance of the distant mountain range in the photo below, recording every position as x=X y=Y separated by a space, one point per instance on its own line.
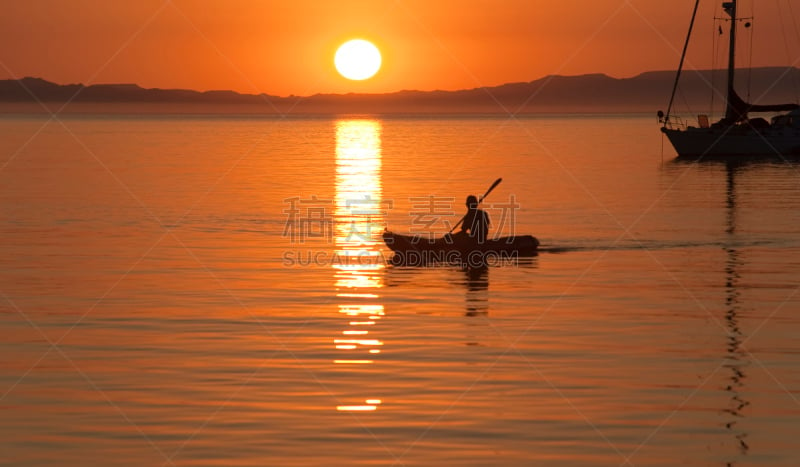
x=646 y=92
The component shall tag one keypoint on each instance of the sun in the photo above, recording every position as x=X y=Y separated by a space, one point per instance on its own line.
x=357 y=59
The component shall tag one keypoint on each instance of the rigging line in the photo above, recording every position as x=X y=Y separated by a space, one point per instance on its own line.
x=783 y=33
x=714 y=55
x=786 y=42
x=794 y=22
x=797 y=33
x=750 y=55
x=785 y=36
x=680 y=65
x=686 y=103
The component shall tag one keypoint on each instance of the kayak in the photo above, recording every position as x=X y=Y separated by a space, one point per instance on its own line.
x=458 y=248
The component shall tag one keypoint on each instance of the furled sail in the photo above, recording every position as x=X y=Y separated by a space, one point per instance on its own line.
x=738 y=108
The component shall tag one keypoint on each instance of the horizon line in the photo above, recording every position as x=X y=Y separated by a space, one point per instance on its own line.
x=545 y=77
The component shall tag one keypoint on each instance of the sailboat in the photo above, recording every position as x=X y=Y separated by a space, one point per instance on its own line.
x=735 y=135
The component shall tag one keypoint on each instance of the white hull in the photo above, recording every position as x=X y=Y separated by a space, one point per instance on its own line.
x=719 y=142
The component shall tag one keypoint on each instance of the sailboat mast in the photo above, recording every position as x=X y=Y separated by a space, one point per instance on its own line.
x=731 y=113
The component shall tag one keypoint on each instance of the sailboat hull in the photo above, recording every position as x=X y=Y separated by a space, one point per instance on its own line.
x=736 y=135
x=734 y=141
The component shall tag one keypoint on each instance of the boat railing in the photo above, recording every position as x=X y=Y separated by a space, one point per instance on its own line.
x=675 y=123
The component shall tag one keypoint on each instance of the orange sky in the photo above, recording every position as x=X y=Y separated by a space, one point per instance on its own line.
x=287 y=47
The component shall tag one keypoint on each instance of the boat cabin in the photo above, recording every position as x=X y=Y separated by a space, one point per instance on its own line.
x=790 y=120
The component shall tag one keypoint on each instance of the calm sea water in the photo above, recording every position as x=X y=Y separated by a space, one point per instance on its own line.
x=212 y=291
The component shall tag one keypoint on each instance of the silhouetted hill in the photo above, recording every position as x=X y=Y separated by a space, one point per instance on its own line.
x=25 y=89
x=586 y=93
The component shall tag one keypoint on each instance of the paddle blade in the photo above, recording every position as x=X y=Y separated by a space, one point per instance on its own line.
x=496 y=182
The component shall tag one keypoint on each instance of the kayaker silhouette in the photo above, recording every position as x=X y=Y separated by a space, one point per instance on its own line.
x=476 y=221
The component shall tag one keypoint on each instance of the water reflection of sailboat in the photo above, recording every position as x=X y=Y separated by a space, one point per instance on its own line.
x=735 y=356
x=358 y=220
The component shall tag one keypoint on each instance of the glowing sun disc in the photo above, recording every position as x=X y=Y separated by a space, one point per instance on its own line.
x=357 y=59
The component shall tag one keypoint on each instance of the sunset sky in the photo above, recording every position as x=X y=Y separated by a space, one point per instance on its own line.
x=287 y=47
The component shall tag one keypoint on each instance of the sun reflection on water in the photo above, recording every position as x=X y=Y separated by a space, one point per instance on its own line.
x=359 y=219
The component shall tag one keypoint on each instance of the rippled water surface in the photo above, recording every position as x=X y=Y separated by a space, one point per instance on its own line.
x=214 y=291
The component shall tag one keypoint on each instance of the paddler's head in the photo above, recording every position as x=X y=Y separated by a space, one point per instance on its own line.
x=472 y=202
